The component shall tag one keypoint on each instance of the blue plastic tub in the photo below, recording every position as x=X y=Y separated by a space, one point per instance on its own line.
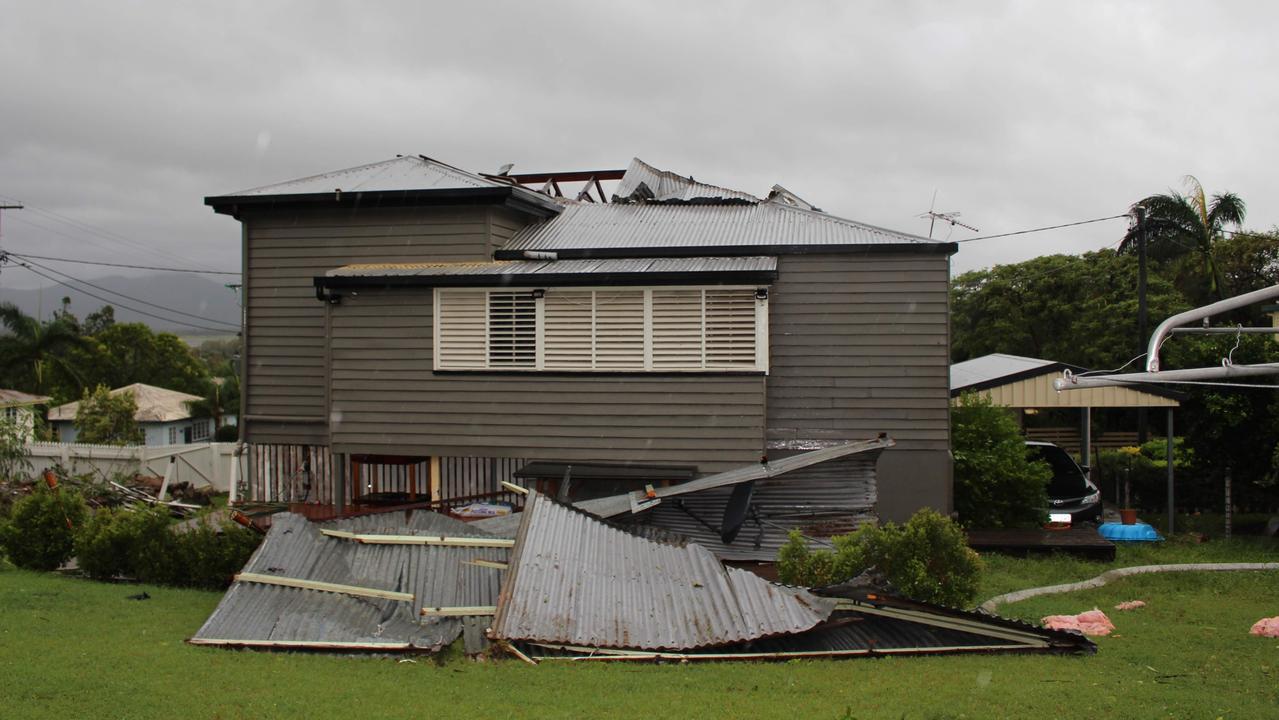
x=1118 y=532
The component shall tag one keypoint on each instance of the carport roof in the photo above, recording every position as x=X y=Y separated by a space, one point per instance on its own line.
x=1017 y=381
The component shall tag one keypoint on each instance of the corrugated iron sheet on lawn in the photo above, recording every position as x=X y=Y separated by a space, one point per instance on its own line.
x=576 y=580
x=256 y=614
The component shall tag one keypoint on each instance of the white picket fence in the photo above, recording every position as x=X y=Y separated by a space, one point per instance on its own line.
x=201 y=464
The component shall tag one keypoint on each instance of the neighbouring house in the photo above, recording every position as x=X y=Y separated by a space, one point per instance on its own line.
x=459 y=326
x=20 y=409
x=164 y=416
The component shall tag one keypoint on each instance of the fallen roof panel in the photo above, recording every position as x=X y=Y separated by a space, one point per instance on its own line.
x=255 y=614
x=576 y=580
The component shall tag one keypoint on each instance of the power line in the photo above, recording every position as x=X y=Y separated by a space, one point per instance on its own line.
x=123 y=305
x=1041 y=229
x=125 y=265
x=119 y=304
x=133 y=299
x=100 y=232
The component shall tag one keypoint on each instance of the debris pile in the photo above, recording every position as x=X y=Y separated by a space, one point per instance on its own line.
x=566 y=586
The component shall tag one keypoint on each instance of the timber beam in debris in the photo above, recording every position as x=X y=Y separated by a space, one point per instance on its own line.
x=459 y=611
x=324 y=586
x=453 y=541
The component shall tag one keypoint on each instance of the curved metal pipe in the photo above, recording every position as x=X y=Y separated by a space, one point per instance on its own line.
x=1161 y=333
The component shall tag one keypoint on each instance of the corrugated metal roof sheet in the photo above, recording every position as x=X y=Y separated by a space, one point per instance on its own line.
x=666 y=186
x=575 y=580
x=618 y=504
x=559 y=267
x=155 y=404
x=589 y=226
x=830 y=498
x=989 y=368
x=408 y=172
x=252 y=613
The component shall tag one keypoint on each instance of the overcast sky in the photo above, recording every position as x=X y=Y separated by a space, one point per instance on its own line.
x=123 y=116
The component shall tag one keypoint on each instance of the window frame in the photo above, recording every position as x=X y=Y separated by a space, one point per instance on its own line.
x=759 y=292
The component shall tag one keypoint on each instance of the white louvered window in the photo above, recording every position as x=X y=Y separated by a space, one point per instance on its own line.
x=512 y=331
x=662 y=329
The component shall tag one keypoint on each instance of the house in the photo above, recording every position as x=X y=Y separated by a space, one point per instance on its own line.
x=19 y=408
x=163 y=415
x=408 y=311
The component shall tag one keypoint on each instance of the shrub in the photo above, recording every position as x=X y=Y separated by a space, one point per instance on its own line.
x=39 y=534
x=143 y=544
x=997 y=484
x=103 y=545
x=210 y=556
x=927 y=559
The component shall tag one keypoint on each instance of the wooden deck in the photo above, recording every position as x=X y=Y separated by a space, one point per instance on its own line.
x=1081 y=541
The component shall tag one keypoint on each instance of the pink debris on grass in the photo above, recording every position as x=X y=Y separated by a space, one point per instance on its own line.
x=1266 y=627
x=1130 y=605
x=1093 y=622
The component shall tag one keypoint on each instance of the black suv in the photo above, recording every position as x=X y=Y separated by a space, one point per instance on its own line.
x=1069 y=490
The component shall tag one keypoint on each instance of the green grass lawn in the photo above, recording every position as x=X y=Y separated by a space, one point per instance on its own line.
x=72 y=648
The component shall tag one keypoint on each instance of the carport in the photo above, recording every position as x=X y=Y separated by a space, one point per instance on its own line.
x=1026 y=383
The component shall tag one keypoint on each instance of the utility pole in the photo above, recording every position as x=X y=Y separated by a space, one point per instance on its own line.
x=3 y=255
x=1140 y=211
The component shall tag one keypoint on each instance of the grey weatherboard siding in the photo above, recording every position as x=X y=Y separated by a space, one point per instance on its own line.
x=286 y=249
x=860 y=345
x=386 y=399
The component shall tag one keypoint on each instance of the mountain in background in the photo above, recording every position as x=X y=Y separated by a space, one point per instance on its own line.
x=192 y=294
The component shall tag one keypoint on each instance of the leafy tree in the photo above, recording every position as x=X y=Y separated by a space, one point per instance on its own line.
x=108 y=419
x=127 y=353
x=34 y=355
x=1178 y=224
x=14 y=460
x=220 y=355
x=99 y=320
x=1074 y=309
x=997 y=484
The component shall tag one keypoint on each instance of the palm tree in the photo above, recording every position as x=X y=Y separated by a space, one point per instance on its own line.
x=1179 y=224
x=31 y=351
x=221 y=398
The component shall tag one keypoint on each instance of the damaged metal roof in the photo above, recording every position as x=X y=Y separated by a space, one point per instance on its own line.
x=638 y=501
x=830 y=498
x=645 y=183
x=267 y=615
x=577 y=581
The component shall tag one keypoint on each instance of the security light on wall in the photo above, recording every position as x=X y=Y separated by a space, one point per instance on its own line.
x=538 y=294
x=761 y=294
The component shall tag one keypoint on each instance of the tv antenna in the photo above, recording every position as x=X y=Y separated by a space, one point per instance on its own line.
x=933 y=216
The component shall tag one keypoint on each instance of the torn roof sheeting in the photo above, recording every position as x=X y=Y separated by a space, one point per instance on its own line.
x=646 y=183
x=255 y=614
x=575 y=580
x=830 y=498
x=636 y=501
